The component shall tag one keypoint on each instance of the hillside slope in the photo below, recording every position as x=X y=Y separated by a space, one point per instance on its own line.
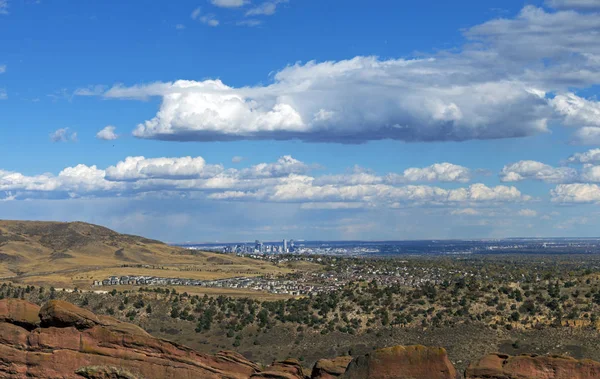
x=76 y=253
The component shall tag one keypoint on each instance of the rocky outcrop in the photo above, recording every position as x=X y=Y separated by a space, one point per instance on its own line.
x=288 y=369
x=330 y=368
x=60 y=314
x=501 y=366
x=60 y=340
x=69 y=342
x=402 y=362
x=20 y=312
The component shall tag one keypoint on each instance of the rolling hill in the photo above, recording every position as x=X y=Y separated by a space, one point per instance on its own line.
x=74 y=254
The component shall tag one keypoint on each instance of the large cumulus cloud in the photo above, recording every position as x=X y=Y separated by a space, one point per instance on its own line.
x=512 y=79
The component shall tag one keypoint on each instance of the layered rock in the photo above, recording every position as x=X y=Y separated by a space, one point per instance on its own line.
x=288 y=369
x=60 y=340
x=330 y=368
x=69 y=342
x=402 y=362
x=501 y=366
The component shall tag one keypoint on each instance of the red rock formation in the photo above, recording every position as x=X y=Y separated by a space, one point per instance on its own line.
x=20 y=312
x=288 y=369
x=61 y=340
x=402 y=362
x=330 y=368
x=501 y=366
x=74 y=343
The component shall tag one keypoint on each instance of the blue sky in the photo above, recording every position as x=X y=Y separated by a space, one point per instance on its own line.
x=303 y=119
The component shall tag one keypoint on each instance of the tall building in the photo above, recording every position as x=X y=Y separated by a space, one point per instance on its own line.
x=285 y=246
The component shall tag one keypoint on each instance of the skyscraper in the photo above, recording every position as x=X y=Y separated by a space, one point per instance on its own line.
x=285 y=247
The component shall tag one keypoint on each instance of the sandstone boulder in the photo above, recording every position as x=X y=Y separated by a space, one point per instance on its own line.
x=330 y=368
x=20 y=312
x=402 y=362
x=501 y=366
x=71 y=342
x=61 y=314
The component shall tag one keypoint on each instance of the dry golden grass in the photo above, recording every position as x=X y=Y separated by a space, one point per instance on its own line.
x=75 y=254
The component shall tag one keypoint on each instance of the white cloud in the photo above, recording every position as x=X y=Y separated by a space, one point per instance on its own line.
x=590 y=173
x=179 y=26
x=72 y=181
x=284 y=166
x=136 y=168
x=268 y=8
x=528 y=169
x=330 y=102
x=300 y=189
x=3 y=7
x=107 y=134
x=3 y=94
x=574 y=4
x=90 y=91
x=517 y=64
x=439 y=172
x=577 y=111
x=2 y=69
x=229 y=3
x=587 y=135
x=249 y=22
x=590 y=156
x=196 y=13
x=283 y=181
x=237 y=159
x=357 y=176
x=63 y=135
x=208 y=18
x=465 y=212
x=527 y=213
x=576 y=193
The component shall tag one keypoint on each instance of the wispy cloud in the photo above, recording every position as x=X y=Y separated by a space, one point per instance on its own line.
x=250 y=22
x=3 y=6
x=229 y=3
x=63 y=135
x=267 y=8
x=90 y=91
x=208 y=18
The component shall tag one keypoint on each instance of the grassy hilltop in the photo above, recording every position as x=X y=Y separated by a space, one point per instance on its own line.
x=74 y=254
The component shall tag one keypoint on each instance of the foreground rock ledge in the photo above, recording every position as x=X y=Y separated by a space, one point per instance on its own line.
x=501 y=366
x=402 y=362
x=65 y=341
x=60 y=340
